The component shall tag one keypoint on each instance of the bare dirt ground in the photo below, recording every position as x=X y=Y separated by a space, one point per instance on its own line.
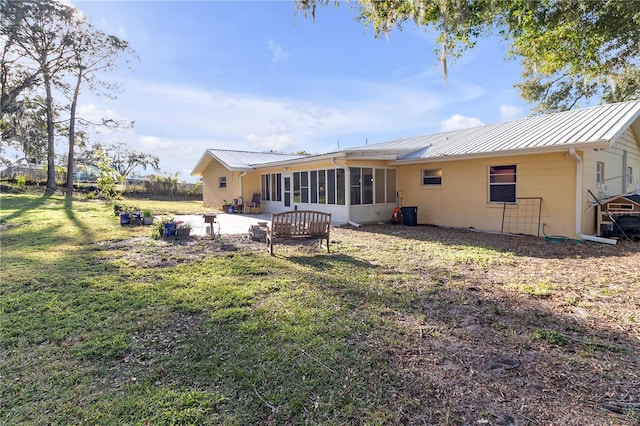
x=549 y=335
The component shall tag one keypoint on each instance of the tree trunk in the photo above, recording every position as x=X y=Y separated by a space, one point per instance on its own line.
x=51 y=153
x=72 y=132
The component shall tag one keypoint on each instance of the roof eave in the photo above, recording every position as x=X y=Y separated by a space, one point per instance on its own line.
x=601 y=144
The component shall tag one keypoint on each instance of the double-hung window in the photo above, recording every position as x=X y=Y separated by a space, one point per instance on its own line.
x=222 y=182
x=502 y=184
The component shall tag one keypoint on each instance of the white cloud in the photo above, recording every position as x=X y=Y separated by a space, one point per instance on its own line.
x=459 y=122
x=277 y=53
x=179 y=122
x=510 y=112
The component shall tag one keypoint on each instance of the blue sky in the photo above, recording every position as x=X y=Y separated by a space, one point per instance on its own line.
x=257 y=76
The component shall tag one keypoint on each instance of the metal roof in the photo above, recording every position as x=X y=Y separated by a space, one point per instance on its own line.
x=599 y=125
x=247 y=160
x=603 y=123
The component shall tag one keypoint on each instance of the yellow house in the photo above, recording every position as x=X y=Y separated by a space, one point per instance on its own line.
x=542 y=174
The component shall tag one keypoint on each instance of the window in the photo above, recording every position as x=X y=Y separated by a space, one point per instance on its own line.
x=322 y=192
x=432 y=177
x=341 y=181
x=296 y=187
x=331 y=186
x=629 y=175
x=367 y=186
x=356 y=185
x=380 y=186
x=502 y=184
x=391 y=186
x=314 y=187
x=222 y=182
x=599 y=172
x=304 y=187
x=271 y=187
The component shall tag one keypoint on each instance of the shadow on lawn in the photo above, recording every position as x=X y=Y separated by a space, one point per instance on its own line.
x=519 y=245
x=22 y=206
x=424 y=352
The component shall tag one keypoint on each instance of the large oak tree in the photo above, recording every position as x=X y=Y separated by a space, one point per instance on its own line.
x=570 y=50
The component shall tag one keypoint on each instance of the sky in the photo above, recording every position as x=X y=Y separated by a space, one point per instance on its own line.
x=257 y=76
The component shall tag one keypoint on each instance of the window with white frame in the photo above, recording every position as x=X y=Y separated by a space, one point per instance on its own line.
x=222 y=182
x=432 y=177
x=629 y=175
x=502 y=184
x=599 y=172
x=271 y=186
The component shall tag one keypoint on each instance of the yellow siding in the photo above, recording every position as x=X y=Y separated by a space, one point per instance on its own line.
x=212 y=195
x=462 y=199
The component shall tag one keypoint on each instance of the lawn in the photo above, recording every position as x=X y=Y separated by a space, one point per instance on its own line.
x=100 y=324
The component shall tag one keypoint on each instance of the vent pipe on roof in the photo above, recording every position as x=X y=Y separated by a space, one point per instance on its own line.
x=576 y=157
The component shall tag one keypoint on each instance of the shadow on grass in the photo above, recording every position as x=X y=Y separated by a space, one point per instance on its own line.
x=305 y=339
x=18 y=202
x=86 y=231
x=519 y=245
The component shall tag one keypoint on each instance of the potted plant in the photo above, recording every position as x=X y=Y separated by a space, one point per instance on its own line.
x=135 y=216
x=183 y=229
x=147 y=217
x=225 y=206
x=166 y=227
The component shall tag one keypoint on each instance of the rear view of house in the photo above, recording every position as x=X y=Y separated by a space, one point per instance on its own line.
x=534 y=175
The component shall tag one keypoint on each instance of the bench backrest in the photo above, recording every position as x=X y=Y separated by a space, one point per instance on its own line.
x=300 y=222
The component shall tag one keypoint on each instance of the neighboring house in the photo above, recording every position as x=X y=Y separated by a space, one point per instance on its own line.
x=524 y=176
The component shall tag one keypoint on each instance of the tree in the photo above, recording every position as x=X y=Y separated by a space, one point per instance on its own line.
x=122 y=159
x=27 y=129
x=93 y=52
x=41 y=32
x=570 y=50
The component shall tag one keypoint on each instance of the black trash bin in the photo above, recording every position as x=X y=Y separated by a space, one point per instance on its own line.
x=410 y=215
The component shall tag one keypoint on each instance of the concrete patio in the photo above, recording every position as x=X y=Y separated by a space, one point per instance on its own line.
x=225 y=223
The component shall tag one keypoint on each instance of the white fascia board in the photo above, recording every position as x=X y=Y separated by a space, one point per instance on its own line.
x=603 y=144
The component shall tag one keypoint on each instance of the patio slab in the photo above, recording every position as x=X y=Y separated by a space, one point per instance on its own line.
x=226 y=223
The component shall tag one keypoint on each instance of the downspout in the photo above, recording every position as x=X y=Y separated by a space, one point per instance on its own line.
x=576 y=157
x=240 y=186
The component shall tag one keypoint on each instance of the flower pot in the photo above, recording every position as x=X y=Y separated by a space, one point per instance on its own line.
x=169 y=230
x=147 y=220
x=125 y=218
x=183 y=232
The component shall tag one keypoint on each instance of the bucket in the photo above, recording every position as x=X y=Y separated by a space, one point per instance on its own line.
x=125 y=219
x=169 y=230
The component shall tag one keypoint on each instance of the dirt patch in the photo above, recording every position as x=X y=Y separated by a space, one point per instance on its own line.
x=544 y=332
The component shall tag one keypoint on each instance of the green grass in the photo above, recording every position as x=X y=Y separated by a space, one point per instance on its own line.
x=89 y=335
x=89 y=338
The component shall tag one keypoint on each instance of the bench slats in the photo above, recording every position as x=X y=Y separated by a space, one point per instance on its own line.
x=299 y=224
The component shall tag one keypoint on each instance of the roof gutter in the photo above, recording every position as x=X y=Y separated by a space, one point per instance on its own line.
x=576 y=157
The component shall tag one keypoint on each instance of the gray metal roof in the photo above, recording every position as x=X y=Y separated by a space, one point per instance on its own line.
x=603 y=123
x=248 y=160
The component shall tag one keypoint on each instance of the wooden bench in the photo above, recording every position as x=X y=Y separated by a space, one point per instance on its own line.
x=298 y=224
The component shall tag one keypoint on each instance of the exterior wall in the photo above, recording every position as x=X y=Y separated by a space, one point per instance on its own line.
x=462 y=200
x=624 y=153
x=212 y=195
x=340 y=213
